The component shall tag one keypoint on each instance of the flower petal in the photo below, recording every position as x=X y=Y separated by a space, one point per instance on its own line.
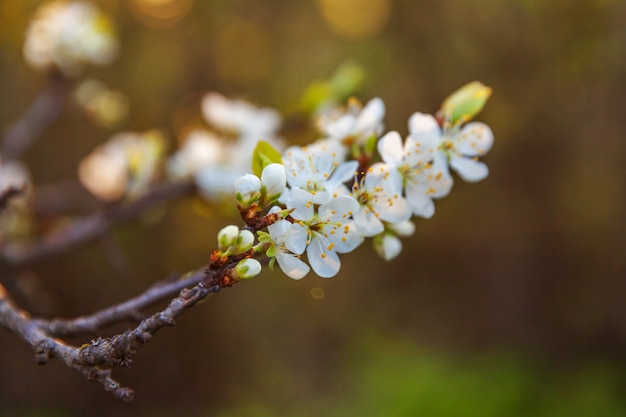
x=420 y=123
x=302 y=203
x=324 y=262
x=291 y=265
x=421 y=204
x=475 y=139
x=469 y=169
x=371 y=115
x=367 y=223
x=390 y=148
x=296 y=238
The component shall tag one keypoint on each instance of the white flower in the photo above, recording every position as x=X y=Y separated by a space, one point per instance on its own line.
x=69 y=35
x=356 y=124
x=462 y=148
x=318 y=169
x=246 y=124
x=380 y=197
x=423 y=169
x=201 y=149
x=241 y=117
x=124 y=165
x=328 y=232
x=290 y=242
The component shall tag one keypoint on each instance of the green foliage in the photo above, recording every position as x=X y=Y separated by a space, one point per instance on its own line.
x=263 y=155
x=389 y=379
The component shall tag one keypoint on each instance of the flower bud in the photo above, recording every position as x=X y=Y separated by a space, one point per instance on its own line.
x=274 y=179
x=247 y=268
x=387 y=246
x=227 y=237
x=247 y=188
x=466 y=102
x=405 y=228
x=245 y=240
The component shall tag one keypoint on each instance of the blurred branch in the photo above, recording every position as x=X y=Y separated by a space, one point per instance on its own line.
x=129 y=310
x=90 y=227
x=62 y=198
x=119 y=349
x=43 y=111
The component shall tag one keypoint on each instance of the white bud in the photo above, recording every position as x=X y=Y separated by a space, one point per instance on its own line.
x=245 y=240
x=387 y=246
x=227 y=237
x=247 y=268
x=405 y=228
x=247 y=184
x=274 y=179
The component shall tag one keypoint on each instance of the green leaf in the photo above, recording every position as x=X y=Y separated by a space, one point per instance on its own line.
x=347 y=79
x=263 y=155
x=465 y=103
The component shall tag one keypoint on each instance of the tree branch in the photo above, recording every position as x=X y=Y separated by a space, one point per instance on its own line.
x=42 y=112
x=91 y=227
x=45 y=347
x=129 y=310
x=119 y=349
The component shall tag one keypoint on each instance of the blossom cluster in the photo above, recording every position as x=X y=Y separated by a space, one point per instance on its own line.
x=328 y=197
x=68 y=35
x=216 y=156
x=307 y=205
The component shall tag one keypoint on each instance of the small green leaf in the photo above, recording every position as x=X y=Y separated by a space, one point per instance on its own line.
x=347 y=79
x=263 y=155
x=465 y=103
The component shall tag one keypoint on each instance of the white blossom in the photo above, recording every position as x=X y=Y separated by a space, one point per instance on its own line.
x=463 y=147
x=69 y=35
x=241 y=118
x=329 y=231
x=200 y=150
x=380 y=197
x=290 y=242
x=355 y=124
x=319 y=170
x=423 y=169
x=124 y=165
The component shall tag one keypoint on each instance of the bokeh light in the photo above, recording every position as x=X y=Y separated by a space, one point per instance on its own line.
x=160 y=13
x=356 y=19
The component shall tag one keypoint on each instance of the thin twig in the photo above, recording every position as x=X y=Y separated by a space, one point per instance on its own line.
x=129 y=310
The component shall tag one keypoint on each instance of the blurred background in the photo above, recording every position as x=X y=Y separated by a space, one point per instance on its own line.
x=510 y=301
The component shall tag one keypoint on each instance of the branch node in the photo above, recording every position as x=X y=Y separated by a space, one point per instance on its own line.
x=43 y=351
